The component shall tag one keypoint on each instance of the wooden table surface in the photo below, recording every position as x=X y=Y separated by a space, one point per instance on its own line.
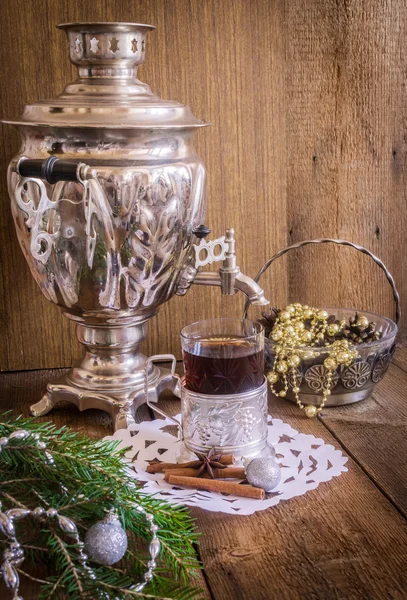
x=346 y=539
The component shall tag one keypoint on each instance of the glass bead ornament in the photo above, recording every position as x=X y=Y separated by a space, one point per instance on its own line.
x=106 y=541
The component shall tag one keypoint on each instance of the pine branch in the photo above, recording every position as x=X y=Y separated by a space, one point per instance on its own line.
x=56 y=585
x=85 y=480
x=125 y=490
x=68 y=560
x=36 y=579
x=143 y=594
x=13 y=500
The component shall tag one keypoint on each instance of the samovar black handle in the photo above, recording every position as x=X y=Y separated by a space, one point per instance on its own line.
x=52 y=169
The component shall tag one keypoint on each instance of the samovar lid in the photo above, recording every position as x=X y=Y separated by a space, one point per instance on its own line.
x=107 y=93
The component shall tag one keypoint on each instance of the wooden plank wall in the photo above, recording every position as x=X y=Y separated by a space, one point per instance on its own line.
x=308 y=109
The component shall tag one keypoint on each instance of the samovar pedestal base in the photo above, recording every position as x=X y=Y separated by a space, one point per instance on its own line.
x=111 y=376
x=120 y=405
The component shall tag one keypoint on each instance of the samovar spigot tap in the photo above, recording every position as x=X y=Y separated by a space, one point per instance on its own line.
x=229 y=277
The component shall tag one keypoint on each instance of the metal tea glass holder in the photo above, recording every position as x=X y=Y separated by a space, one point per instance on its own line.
x=232 y=423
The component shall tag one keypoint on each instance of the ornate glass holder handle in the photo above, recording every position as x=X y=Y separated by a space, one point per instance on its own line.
x=151 y=392
x=349 y=383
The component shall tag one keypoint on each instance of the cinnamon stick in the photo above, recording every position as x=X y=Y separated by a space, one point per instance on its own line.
x=226 y=459
x=228 y=473
x=161 y=467
x=217 y=485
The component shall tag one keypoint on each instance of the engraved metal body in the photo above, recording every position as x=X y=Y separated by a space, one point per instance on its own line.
x=351 y=383
x=109 y=230
x=232 y=423
x=235 y=423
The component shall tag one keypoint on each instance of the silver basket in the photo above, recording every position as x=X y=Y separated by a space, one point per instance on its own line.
x=350 y=383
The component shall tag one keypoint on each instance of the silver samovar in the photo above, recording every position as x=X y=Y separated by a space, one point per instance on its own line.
x=108 y=199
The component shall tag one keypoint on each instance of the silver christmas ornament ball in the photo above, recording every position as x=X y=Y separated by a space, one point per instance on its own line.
x=263 y=473
x=106 y=542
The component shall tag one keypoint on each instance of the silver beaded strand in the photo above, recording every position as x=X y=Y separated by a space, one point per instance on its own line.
x=154 y=550
x=13 y=556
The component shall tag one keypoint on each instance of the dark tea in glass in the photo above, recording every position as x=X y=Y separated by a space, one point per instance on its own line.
x=223 y=356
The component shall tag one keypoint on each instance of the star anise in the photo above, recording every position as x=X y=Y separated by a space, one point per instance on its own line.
x=209 y=462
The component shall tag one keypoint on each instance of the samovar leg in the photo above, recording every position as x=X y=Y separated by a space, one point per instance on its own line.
x=120 y=405
x=43 y=407
x=117 y=404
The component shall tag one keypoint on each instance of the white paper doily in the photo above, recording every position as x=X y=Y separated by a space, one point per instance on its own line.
x=306 y=461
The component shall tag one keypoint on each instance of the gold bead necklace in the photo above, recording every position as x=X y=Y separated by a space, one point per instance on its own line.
x=297 y=332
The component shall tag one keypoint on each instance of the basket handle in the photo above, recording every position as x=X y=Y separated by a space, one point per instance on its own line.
x=377 y=260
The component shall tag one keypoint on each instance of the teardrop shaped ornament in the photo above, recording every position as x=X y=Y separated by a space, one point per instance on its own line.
x=7 y=526
x=10 y=576
x=67 y=525
x=154 y=548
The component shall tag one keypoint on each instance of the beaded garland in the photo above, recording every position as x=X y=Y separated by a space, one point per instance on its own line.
x=297 y=329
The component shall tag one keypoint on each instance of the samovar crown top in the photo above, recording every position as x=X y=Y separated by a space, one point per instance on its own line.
x=107 y=93
x=115 y=45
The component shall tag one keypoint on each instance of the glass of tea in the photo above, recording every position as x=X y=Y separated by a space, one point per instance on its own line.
x=223 y=392
x=223 y=356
